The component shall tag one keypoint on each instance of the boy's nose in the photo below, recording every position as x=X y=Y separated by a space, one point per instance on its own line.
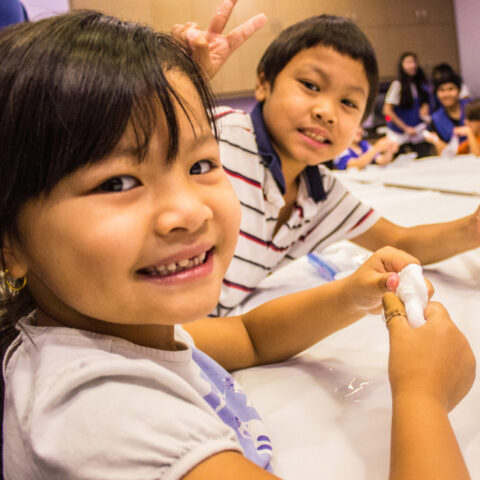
x=326 y=112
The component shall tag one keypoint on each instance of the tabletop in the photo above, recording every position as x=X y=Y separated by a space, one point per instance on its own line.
x=328 y=409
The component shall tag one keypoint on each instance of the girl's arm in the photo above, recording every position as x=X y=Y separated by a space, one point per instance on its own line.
x=283 y=327
x=423 y=442
x=388 y=111
x=429 y=243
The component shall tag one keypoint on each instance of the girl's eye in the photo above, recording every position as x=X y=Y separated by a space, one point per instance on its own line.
x=349 y=103
x=201 y=167
x=310 y=85
x=121 y=183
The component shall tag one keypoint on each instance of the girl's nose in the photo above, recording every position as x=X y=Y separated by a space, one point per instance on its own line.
x=185 y=211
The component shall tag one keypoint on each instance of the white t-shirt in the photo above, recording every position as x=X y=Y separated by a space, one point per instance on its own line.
x=394 y=90
x=80 y=405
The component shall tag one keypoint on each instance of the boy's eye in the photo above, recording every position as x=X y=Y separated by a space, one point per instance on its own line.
x=349 y=103
x=201 y=167
x=121 y=183
x=310 y=85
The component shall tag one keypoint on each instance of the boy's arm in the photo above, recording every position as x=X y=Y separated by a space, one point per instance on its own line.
x=381 y=148
x=429 y=243
x=473 y=144
x=435 y=140
x=288 y=325
x=211 y=48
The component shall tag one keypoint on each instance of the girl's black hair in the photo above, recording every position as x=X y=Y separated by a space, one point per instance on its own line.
x=69 y=87
x=406 y=81
x=339 y=33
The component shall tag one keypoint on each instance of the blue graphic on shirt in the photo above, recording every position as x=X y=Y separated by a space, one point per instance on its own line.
x=231 y=404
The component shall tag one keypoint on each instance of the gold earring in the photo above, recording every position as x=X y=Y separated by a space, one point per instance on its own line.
x=14 y=286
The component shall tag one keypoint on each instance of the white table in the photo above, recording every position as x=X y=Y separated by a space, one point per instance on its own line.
x=328 y=410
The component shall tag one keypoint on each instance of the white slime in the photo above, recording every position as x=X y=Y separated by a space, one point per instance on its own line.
x=413 y=292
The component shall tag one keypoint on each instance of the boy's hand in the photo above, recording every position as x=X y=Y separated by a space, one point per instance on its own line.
x=385 y=144
x=433 y=362
x=379 y=274
x=210 y=47
x=462 y=131
x=431 y=137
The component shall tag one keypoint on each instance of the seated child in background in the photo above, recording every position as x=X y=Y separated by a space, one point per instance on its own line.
x=316 y=82
x=12 y=11
x=362 y=153
x=406 y=106
x=439 y=71
x=451 y=113
x=112 y=237
x=471 y=129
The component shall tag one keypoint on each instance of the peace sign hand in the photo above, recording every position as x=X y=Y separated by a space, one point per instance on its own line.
x=211 y=48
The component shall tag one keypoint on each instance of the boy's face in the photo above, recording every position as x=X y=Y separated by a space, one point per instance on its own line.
x=447 y=94
x=315 y=106
x=129 y=242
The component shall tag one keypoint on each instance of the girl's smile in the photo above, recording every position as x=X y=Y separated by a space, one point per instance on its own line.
x=186 y=269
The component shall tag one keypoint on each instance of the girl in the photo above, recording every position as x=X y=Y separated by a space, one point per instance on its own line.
x=117 y=225
x=407 y=105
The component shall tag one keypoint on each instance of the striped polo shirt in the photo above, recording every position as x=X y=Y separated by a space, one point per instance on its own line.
x=324 y=212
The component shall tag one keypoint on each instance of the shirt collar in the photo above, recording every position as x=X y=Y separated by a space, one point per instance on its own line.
x=271 y=159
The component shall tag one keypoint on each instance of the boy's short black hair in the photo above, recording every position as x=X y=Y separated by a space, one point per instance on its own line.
x=472 y=110
x=444 y=78
x=339 y=33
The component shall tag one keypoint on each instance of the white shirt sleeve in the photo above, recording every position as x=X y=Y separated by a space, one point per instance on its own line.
x=464 y=91
x=393 y=93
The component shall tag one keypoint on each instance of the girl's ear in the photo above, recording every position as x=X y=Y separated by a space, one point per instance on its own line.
x=262 y=88
x=13 y=258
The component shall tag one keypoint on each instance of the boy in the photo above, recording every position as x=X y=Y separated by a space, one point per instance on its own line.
x=451 y=113
x=471 y=130
x=361 y=152
x=316 y=82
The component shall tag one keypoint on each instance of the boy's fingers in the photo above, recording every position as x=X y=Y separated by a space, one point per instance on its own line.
x=244 y=31
x=430 y=288
x=394 y=311
x=220 y=17
x=392 y=282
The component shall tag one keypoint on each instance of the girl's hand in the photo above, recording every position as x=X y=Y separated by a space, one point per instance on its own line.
x=433 y=362
x=379 y=274
x=410 y=131
x=210 y=47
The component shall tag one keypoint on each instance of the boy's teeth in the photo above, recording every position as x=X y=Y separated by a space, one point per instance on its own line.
x=176 y=267
x=318 y=138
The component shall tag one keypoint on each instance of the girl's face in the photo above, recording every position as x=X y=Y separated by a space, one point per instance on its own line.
x=134 y=243
x=409 y=65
